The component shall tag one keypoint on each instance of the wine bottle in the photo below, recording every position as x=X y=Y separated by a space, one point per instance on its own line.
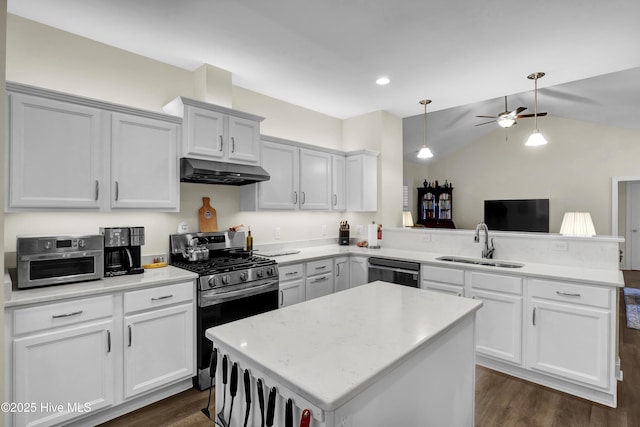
x=249 y=241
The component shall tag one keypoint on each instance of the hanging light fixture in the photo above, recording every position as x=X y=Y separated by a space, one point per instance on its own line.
x=424 y=152
x=536 y=137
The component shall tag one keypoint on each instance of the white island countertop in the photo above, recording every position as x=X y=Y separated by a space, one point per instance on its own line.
x=329 y=349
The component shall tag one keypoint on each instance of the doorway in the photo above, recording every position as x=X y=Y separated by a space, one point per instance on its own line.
x=623 y=189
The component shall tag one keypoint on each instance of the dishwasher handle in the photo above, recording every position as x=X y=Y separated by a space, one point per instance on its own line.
x=394 y=269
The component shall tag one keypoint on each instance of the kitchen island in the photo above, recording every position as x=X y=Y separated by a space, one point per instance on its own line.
x=378 y=354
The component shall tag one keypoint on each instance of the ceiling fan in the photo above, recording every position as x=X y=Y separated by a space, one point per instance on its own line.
x=508 y=118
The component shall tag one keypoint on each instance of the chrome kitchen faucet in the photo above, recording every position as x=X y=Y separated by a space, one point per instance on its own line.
x=487 y=251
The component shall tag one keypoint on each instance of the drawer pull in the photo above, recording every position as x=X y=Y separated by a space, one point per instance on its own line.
x=291 y=273
x=162 y=297
x=321 y=279
x=322 y=267
x=60 y=316
x=108 y=341
x=567 y=294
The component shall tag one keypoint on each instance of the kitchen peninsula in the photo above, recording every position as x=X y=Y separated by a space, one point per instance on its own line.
x=378 y=354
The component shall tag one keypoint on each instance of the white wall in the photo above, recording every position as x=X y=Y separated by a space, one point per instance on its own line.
x=43 y=56
x=574 y=170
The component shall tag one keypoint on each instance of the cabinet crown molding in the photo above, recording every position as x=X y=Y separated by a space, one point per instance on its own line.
x=24 y=89
x=176 y=108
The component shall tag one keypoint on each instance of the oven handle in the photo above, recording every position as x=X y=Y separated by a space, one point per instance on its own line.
x=209 y=300
x=397 y=270
x=69 y=255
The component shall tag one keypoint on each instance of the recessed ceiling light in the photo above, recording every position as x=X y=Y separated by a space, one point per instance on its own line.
x=383 y=81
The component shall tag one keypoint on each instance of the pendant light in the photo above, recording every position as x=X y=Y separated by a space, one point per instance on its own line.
x=536 y=137
x=424 y=152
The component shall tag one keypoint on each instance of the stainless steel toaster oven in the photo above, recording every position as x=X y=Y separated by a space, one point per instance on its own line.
x=56 y=260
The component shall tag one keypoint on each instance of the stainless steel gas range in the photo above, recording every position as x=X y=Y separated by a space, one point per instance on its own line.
x=233 y=284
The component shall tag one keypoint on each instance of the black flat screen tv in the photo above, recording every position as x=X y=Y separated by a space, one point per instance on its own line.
x=517 y=215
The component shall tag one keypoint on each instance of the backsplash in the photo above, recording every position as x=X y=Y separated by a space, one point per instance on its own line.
x=593 y=252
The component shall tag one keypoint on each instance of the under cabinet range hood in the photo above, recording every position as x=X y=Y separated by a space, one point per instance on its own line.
x=212 y=172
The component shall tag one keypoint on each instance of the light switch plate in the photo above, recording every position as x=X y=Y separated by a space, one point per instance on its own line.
x=277 y=233
x=561 y=246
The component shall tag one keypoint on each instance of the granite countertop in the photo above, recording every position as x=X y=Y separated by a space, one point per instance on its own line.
x=150 y=277
x=374 y=326
x=544 y=271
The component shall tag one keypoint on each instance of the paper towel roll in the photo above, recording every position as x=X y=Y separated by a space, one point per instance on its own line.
x=372 y=235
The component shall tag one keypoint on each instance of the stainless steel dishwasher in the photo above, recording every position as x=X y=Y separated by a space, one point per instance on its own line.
x=405 y=273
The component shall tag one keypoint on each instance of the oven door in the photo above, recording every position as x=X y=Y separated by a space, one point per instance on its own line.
x=217 y=309
x=394 y=271
x=45 y=270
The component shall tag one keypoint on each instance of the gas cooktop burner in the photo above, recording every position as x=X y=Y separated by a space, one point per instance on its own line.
x=221 y=264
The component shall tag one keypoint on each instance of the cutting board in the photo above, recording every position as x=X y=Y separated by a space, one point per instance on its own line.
x=207 y=216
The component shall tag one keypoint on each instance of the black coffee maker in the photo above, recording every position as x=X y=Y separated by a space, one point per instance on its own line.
x=122 y=250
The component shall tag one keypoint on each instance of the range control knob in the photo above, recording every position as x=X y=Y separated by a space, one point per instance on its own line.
x=260 y=273
x=214 y=282
x=270 y=271
x=226 y=279
x=243 y=276
x=81 y=243
x=47 y=244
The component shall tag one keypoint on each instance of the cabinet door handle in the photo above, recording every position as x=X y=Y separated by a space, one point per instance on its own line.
x=233 y=145
x=335 y=199
x=97 y=189
x=304 y=198
x=295 y=195
x=129 y=335
x=221 y=143
x=337 y=270
x=567 y=294
x=162 y=297
x=60 y=316
x=534 y=316
x=117 y=191
x=281 y=297
x=108 y=341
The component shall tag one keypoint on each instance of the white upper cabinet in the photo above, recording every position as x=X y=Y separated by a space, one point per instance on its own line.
x=315 y=180
x=204 y=134
x=144 y=163
x=338 y=183
x=362 y=181
x=213 y=132
x=69 y=152
x=281 y=191
x=303 y=178
x=55 y=151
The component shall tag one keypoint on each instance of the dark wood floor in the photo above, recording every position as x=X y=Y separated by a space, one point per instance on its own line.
x=501 y=400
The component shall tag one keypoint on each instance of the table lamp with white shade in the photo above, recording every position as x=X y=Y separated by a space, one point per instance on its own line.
x=577 y=224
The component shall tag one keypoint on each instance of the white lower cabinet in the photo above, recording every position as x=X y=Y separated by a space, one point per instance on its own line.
x=442 y=279
x=66 y=357
x=319 y=278
x=358 y=271
x=158 y=341
x=64 y=361
x=569 y=332
x=341 y=272
x=292 y=285
x=499 y=321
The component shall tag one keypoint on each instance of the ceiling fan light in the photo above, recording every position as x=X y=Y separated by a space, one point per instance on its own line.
x=424 y=153
x=506 y=121
x=536 y=139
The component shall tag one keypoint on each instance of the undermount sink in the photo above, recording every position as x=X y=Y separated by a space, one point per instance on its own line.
x=486 y=262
